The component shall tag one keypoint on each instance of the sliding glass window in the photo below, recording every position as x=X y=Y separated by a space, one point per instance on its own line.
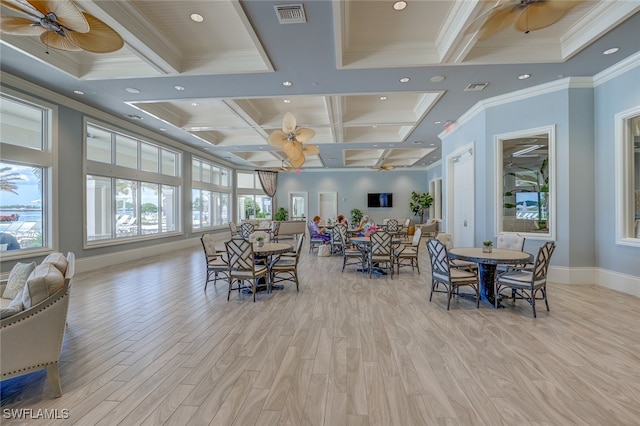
x=132 y=187
x=210 y=195
x=27 y=175
x=253 y=203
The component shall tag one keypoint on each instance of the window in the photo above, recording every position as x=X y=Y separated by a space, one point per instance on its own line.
x=525 y=182
x=26 y=175
x=210 y=196
x=132 y=187
x=628 y=177
x=253 y=203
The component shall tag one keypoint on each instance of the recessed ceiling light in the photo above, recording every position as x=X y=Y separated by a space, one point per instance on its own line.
x=524 y=76
x=179 y=87
x=196 y=17
x=332 y=158
x=399 y=5
x=287 y=83
x=418 y=142
x=134 y=117
x=432 y=144
x=286 y=101
x=162 y=129
x=610 y=51
x=383 y=98
x=437 y=78
x=437 y=122
x=195 y=104
x=78 y=92
x=132 y=90
x=405 y=80
x=375 y=145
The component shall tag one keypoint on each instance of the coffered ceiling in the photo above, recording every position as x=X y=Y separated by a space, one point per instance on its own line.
x=377 y=85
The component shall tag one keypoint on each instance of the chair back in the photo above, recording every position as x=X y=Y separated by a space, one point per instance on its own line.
x=255 y=234
x=407 y=222
x=510 y=241
x=415 y=242
x=275 y=229
x=439 y=259
x=445 y=239
x=541 y=265
x=246 y=229
x=265 y=224
x=233 y=229
x=393 y=226
x=385 y=220
x=240 y=254
x=299 y=247
x=209 y=245
x=338 y=237
x=381 y=243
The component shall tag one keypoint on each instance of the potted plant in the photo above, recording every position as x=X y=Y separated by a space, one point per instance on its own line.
x=282 y=214
x=420 y=203
x=260 y=241
x=487 y=246
x=356 y=216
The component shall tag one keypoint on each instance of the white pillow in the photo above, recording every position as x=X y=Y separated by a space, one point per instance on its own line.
x=58 y=260
x=17 y=279
x=14 y=307
x=44 y=281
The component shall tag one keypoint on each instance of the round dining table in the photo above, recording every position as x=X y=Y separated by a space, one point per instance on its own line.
x=270 y=249
x=487 y=263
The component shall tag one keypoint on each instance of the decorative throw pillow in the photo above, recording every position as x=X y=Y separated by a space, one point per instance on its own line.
x=57 y=259
x=14 y=307
x=17 y=278
x=45 y=280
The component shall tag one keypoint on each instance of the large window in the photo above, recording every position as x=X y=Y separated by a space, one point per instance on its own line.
x=26 y=175
x=525 y=182
x=628 y=177
x=132 y=187
x=211 y=194
x=253 y=203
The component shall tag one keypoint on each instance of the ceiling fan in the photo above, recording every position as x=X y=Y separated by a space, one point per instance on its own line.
x=525 y=15
x=60 y=25
x=291 y=139
x=383 y=168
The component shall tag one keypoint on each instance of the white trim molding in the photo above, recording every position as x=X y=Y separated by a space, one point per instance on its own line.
x=613 y=280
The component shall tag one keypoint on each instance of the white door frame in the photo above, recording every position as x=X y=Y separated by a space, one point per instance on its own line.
x=450 y=213
x=305 y=196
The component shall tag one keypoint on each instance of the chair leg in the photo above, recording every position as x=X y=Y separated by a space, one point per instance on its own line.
x=54 y=379
x=450 y=295
x=433 y=286
x=544 y=295
x=533 y=303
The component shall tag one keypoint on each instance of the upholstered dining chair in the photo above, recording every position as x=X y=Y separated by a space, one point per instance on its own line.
x=526 y=283
x=314 y=242
x=447 y=240
x=215 y=260
x=337 y=240
x=285 y=268
x=509 y=241
x=451 y=278
x=404 y=229
x=275 y=230
x=380 y=251
x=233 y=229
x=246 y=229
x=393 y=227
x=350 y=255
x=243 y=267
x=407 y=254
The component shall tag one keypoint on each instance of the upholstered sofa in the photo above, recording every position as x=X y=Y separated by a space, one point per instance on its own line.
x=33 y=322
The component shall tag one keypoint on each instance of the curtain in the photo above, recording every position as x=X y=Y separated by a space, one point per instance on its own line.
x=269 y=181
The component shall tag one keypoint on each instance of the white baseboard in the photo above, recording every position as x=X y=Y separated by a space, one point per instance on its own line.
x=101 y=261
x=610 y=279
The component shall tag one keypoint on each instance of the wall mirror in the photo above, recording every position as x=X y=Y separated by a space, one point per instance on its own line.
x=628 y=177
x=525 y=182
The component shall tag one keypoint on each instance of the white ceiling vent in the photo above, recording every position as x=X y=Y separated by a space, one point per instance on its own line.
x=475 y=87
x=290 y=13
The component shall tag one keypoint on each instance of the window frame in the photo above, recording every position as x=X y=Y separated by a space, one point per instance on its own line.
x=212 y=188
x=551 y=167
x=624 y=178
x=114 y=172
x=46 y=158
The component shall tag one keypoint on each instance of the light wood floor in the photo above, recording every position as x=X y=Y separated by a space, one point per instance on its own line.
x=145 y=345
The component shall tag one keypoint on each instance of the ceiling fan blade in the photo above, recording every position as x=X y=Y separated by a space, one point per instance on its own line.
x=293 y=151
x=101 y=39
x=51 y=39
x=304 y=134
x=298 y=163
x=23 y=8
x=499 y=19
x=277 y=139
x=19 y=26
x=311 y=150
x=540 y=15
x=67 y=13
x=288 y=123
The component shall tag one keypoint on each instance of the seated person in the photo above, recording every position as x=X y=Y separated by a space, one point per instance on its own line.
x=318 y=232
x=364 y=225
x=343 y=220
x=10 y=241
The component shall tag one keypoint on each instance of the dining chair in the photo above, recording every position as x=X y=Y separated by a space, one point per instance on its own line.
x=285 y=268
x=275 y=230
x=314 y=242
x=393 y=227
x=447 y=240
x=351 y=255
x=243 y=267
x=380 y=251
x=404 y=229
x=233 y=229
x=526 y=283
x=509 y=241
x=451 y=278
x=407 y=254
x=337 y=241
x=216 y=262
x=246 y=229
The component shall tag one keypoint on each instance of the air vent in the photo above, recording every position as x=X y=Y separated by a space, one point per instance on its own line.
x=475 y=87
x=290 y=13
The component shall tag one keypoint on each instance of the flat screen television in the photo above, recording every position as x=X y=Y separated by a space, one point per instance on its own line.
x=380 y=199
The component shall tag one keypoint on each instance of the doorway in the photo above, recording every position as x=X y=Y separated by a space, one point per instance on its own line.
x=461 y=196
x=298 y=205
